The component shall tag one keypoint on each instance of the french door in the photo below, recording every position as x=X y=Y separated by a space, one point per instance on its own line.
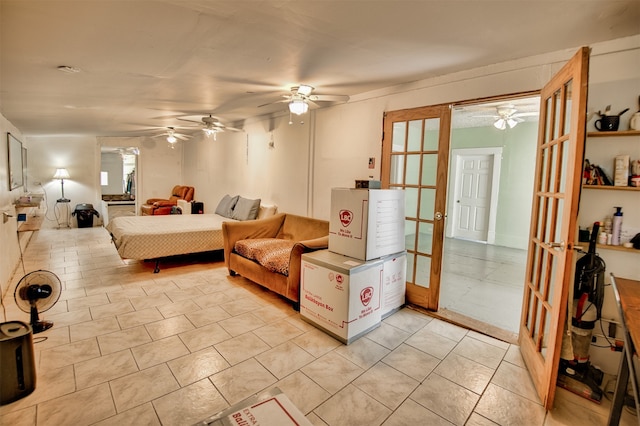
x=415 y=158
x=549 y=274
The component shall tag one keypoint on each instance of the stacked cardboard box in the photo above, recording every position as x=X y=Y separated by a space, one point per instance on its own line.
x=349 y=288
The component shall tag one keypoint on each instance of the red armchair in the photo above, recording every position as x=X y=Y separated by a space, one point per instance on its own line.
x=156 y=206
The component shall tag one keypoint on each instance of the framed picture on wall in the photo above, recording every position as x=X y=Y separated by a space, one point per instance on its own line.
x=16 y=172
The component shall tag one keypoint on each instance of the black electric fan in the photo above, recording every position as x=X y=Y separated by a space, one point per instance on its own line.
x=37 y=292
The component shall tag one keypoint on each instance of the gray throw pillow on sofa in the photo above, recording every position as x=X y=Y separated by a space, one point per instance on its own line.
x=226 y=205
x=246 y=209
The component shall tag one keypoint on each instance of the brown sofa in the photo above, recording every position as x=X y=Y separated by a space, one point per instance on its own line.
x=156 y=206
x=280 y=238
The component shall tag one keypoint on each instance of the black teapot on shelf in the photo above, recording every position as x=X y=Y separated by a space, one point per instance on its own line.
x=608 y=122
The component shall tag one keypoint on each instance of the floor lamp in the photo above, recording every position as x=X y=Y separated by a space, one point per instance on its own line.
x=62 y=174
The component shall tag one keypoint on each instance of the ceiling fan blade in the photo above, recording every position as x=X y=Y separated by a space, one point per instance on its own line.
x=329 y=98
x=181 y=136
x=525 y=114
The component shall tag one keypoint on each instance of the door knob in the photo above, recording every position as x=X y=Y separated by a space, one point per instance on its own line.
x=438 y=216
x=559 y=245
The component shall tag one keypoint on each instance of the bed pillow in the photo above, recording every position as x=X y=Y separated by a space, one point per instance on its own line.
x=246 y=209
x=267 y=210
x=226 y=205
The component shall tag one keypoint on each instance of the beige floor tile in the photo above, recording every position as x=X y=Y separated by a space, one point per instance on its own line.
x=284 y=359
x=189 y=404
x=412 y=413
x=93 y=328
x=446 y=329
x=64 y=319
x=207 y=315
x=50 y=384
x=198 y=365
x=204 y=336
x=151 y=301
x=388 y=336
x=432 y=343
x=169 y=327
x=363 y=352
x=159 y=351
x=412 y=362
x=87 y=302
x=302 y=391
x=241 y=324
x=136 y=318
x=278 y=332
x=387 y=385
x=241 y=348
x=68 y=354
x=515 y=379
x=332 y=372
x=210 y=300
x=143 y=386
x=505 y=407
x=73 y=409
x=242 y=380
x=352 y=407
x=445 y=398
x=316 y=342
x=465 y=372
x=484 y=353
x=100 y=370
x=24 y=417
x=408 y=320
x=477 y=420
x=180 y=307
x=124 y=339
x=143 y=415
x=111 y=310
x=184 y=294
x=241 y=306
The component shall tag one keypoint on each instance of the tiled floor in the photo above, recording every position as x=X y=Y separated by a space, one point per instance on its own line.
x=130 y=347
x=484 y=282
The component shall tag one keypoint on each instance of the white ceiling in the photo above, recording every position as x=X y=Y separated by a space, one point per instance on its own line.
x=143 y=63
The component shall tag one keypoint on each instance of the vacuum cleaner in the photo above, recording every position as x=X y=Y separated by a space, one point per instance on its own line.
x=577 y=374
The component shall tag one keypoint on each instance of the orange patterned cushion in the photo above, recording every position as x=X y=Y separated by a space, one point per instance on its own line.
x=272 y=253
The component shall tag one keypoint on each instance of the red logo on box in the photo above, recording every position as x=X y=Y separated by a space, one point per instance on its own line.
x=339 y=279
x=366 y=295
x=346 y=216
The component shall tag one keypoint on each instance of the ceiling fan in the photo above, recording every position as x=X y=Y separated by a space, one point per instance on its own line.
x=301 y=98
x=211 y=125
x=172 y=136
x=508 y=115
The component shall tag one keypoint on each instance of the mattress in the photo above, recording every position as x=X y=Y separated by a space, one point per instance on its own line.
x=152 y=237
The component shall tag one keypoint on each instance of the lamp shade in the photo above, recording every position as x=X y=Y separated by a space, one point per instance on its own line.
x=298 y=106
x=61 y=174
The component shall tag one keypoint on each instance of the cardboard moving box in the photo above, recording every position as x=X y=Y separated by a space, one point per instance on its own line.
x=366 y=223
x=341 y=295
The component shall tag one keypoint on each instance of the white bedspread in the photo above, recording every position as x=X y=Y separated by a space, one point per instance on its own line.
x=151 y=237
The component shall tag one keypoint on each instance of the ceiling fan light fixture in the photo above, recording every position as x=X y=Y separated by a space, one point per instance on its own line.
x=171 y=139
x=305 y=90
x=298 y=106
x=500 y=124
x=511 y=122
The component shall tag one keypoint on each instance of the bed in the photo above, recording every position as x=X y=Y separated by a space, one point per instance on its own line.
x=155 y=237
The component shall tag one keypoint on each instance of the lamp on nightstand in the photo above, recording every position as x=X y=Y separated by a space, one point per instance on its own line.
x=62 y=174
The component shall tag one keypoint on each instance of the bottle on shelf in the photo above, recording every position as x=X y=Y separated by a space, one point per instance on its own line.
x=617 y=226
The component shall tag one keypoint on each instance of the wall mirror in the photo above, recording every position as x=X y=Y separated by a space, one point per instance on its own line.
x=16 y=176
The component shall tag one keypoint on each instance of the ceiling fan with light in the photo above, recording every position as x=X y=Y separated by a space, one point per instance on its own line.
x=172 y=136
x=508 y=116
x=301 y=98
x=210 y=124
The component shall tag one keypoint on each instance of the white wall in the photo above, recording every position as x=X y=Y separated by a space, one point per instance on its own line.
x=9 y=248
